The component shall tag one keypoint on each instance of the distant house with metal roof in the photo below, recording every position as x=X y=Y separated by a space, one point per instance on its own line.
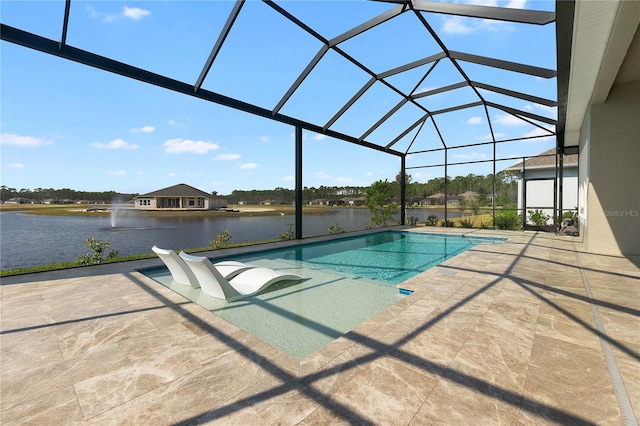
x=468 y=194
x=435 y=199
x=179 y=197
x=353 y=201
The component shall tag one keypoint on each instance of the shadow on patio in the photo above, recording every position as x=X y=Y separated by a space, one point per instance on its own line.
x=528 y=332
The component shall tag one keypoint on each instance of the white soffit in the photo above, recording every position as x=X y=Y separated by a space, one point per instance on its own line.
x=602 y=33
x=619 y=43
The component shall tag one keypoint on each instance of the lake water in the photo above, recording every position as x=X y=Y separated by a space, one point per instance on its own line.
x=33 y=240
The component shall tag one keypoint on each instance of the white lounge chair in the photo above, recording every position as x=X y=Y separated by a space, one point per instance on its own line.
x=245 y=284
x=182 y=274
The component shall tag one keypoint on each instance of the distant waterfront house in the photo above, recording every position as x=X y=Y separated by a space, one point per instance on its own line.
x=179 y=197
x=18 y=200
x=536 y=178
x=418 y=201
x=468 y=195
x=454 y=200
x=435 y=199
x=353 y=201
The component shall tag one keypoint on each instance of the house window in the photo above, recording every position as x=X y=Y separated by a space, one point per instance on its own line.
x=192 y=202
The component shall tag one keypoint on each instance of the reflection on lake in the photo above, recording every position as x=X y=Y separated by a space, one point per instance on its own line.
x=33 y=240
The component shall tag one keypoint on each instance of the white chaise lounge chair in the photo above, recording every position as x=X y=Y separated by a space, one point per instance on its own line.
x=245 y=284
x=182 y=274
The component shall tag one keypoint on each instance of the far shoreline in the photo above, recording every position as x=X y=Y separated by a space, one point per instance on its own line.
x=105 y=210
x=233 y=210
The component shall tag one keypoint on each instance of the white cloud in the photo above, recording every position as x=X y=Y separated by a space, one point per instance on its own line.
x=288 y=178
x=487 y=137
x=343 y=179
x=369 y=174
x=517 y=4
x=493 y=3
x=455 y=25
x=16 y=165
x=172 y=122
x=139 y=172
x=509 y=120
x=172 y=174
x=539 y=132
x=93 y=13
x=143 y=129
x=12 y=139
x=179 y=145
x=117 y=173
x=461 y=25
x=546 y=111
x=474 y=120
x=135 y=13
x=115 y=144
x=319 y=137
x=264 y=138
x=421 y=175
x=227 y=157
x=513 y=4
x=322 y=175
x=248 y=166
x=471 y=156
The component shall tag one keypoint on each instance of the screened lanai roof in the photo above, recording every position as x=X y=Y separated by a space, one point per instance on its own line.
x=400 y=76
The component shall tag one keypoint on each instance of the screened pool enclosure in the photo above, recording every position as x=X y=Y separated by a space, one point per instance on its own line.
x=411 y=79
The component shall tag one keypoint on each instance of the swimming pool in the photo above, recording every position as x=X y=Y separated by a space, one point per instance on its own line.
x=347 y=282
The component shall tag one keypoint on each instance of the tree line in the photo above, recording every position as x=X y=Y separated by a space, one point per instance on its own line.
x=42 y=194
x=505 y=185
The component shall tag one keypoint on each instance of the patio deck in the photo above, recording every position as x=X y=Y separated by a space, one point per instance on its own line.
x=533 y=331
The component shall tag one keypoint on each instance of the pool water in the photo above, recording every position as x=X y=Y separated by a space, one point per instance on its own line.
x=346 y=283
x=391 y=256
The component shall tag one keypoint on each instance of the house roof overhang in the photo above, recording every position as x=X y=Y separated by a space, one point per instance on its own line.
x=598 y=45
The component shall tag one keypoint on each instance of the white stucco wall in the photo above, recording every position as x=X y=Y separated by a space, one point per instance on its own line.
x=610 y=154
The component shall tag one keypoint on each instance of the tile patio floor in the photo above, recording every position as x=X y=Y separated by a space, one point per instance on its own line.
x=533 y=331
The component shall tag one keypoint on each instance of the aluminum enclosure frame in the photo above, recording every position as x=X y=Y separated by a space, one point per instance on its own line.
x=417 y=8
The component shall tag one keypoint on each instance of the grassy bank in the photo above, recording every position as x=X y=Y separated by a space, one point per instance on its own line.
x=77 y=264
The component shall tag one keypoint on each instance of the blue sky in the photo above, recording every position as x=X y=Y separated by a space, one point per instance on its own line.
x=68 y=125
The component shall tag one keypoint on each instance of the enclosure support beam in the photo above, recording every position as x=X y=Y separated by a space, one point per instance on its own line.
x=493 y=189
x=524 y=193
x=65 y=25
x=560 y=211
x=535 y=17
x=403 y=195
x=299 y=183
x=446 y=190
x=216 y=48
